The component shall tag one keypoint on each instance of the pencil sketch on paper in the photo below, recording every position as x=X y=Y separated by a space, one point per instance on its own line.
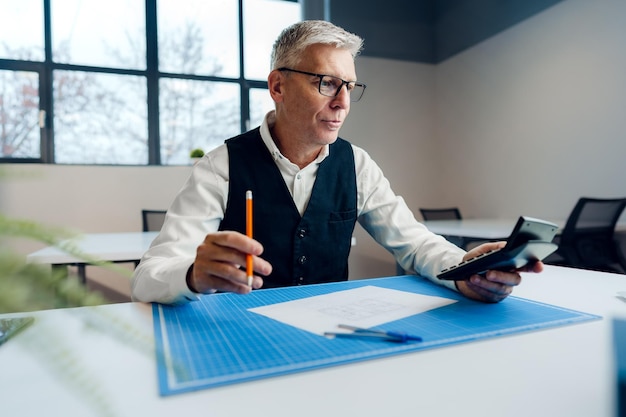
x=360 y=310
x=366 y=306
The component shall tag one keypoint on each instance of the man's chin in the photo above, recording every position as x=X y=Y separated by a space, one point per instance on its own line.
x=330 y=135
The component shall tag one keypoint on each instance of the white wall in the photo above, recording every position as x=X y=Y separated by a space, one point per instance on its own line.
x=532 y=119
x=523 y=123
x=87 y=199
x=394 y=122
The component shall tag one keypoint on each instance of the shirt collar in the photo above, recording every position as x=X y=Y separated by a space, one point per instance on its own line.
x=268 y=122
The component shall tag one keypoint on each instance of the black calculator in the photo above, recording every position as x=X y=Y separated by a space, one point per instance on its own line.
x=530 y=241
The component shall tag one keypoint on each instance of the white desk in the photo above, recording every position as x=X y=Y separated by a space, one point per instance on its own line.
x=465 y=231
x=487 y=229
x=564 y=371
x=113 y=247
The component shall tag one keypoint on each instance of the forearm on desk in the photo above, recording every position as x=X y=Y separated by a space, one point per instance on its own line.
x=162 y=280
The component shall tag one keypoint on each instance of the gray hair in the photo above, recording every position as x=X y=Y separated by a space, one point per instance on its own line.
x=292 y=42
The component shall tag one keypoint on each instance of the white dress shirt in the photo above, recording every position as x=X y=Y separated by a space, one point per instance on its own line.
x=200 y=205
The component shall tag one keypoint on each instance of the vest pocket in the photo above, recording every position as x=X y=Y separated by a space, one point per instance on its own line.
x=340 y=229
x=342 y=216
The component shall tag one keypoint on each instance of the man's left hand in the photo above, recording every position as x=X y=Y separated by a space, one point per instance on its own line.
x=494 y=286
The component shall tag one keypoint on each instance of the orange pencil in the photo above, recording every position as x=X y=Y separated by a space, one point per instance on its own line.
x=249 y=268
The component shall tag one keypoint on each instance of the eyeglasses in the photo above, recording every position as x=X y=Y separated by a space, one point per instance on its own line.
x=330 y=86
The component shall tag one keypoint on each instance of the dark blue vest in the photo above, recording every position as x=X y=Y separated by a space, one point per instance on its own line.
x=307 y=249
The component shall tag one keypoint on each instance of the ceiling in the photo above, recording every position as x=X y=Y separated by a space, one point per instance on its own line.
x=428 y=31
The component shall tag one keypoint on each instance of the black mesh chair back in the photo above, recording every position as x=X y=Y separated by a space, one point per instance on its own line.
x=588 y=238
x=451 y=213
x=152 y=220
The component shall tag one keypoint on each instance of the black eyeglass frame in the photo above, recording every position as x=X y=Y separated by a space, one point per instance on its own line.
x=321 y=77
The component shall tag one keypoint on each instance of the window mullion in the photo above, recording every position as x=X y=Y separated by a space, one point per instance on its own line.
x=45 y=90
x=244 y=87
x=152 y=74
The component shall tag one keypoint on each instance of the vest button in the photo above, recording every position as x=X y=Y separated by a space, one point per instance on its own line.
x=302 y=260
x=301 y=233
x=300 y=280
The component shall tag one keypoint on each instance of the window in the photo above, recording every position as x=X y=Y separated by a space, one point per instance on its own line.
x=205 y=42
x=133 y=82
x=108 y=34
x=100 y=118
x=19 y=113
x=22 y=30
x=196 y=114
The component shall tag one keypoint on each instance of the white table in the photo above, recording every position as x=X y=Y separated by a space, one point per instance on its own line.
x=487 y=229
x=113 y=247
x=564 y=371
x=465 y=231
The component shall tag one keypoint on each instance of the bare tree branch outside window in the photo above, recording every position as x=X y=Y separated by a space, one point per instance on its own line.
x=19 y=114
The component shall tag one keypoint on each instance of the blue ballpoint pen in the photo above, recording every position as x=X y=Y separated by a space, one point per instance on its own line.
x=391 y=336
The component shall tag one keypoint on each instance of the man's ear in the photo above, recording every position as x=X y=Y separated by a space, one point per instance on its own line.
x=275 y=85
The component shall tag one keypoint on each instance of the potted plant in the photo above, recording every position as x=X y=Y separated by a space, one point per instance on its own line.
x=195 y=155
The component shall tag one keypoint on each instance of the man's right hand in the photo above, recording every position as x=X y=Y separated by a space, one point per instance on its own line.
x=217 y=266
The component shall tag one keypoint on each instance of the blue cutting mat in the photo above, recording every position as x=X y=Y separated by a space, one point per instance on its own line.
x=215 y=341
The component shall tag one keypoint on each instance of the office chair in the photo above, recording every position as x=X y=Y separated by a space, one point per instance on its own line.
x=588 y=238
x=451 y=213
x=152 y=220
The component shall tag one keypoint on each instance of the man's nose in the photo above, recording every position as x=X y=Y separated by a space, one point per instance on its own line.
x=344 y=96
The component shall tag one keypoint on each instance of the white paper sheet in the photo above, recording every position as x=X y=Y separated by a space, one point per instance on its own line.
x=366 y=307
